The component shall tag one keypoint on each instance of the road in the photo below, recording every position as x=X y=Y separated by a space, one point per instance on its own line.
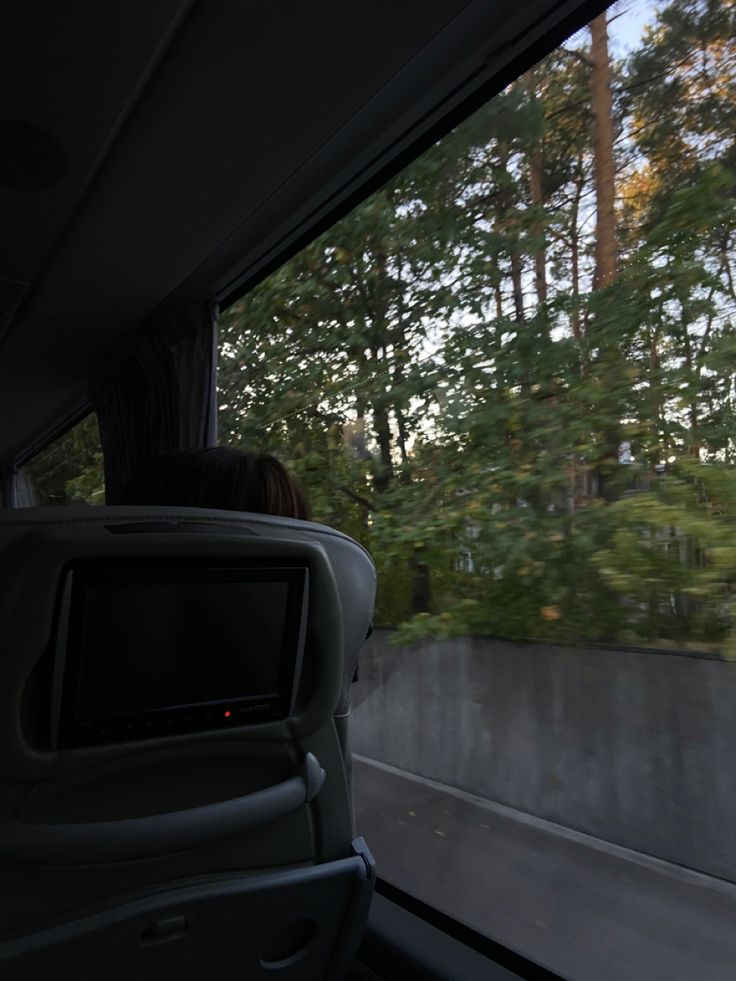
x=586 y=910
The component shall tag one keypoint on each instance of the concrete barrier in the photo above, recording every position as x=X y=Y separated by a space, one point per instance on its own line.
x=637 y=748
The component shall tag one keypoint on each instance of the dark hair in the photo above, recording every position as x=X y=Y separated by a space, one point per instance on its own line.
x=218 y=477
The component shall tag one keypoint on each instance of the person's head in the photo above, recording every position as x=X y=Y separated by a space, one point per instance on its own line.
x=219 y=477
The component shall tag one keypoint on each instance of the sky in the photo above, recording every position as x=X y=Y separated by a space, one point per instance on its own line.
x=627 y=20
x=631 y=18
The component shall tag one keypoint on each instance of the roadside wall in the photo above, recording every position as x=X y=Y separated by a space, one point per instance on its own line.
x=635 y=748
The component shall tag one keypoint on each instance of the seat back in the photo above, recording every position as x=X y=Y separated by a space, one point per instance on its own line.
x=303 y=923
x=91 y=828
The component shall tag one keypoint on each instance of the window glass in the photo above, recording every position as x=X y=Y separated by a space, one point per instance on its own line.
x=70 y=470
x=510 y=374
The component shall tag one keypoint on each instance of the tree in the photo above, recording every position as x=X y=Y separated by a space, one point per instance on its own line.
x=452 y=368
x=601 y=102
x=70 y=470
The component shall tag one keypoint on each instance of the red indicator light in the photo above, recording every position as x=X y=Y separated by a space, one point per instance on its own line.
x=227 y=713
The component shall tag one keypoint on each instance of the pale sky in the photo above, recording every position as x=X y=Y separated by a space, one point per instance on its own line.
x=627 y=20
x=627 y=28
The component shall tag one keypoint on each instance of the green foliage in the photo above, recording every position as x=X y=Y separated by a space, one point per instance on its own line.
x=70 y=470
x=452 y=390
x=672 y=556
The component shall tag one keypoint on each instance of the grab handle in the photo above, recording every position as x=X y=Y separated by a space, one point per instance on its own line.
x=102 y=842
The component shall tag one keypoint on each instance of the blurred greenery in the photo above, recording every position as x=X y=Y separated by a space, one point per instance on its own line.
x=457 y=382
x=69 y=471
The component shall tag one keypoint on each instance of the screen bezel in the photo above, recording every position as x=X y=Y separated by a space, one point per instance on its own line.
x=71 y=731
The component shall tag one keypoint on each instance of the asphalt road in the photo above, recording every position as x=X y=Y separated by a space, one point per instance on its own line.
x=586 y=910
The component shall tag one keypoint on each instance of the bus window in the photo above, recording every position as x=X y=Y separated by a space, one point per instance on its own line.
x=69 y=470
x=509 y=373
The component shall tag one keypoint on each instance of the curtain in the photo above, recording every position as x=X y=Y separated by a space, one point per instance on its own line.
x=8 y=487
x=16 y=489
x=163 y=397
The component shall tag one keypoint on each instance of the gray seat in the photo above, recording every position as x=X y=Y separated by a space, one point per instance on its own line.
x=302 y=923
x=229 y=846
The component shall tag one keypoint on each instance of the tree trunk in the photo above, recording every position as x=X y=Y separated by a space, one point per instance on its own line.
x=609 y=362
x=508 y=223
x=516 y=281
x=421 y=585
x=602 y=113
x=385 y=470
x=536 y=194
x=402 y=435
x=575 y=256
x=499 y=300
x=694 y=444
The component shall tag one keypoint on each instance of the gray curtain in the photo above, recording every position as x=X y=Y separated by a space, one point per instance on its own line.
x=163 y=397
x=8 y=487
x=16 y=489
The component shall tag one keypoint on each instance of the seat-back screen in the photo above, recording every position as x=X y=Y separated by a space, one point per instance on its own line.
x=157 y=648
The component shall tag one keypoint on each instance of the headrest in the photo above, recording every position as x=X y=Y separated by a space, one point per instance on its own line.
x=351 y=563
x=37 y=545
